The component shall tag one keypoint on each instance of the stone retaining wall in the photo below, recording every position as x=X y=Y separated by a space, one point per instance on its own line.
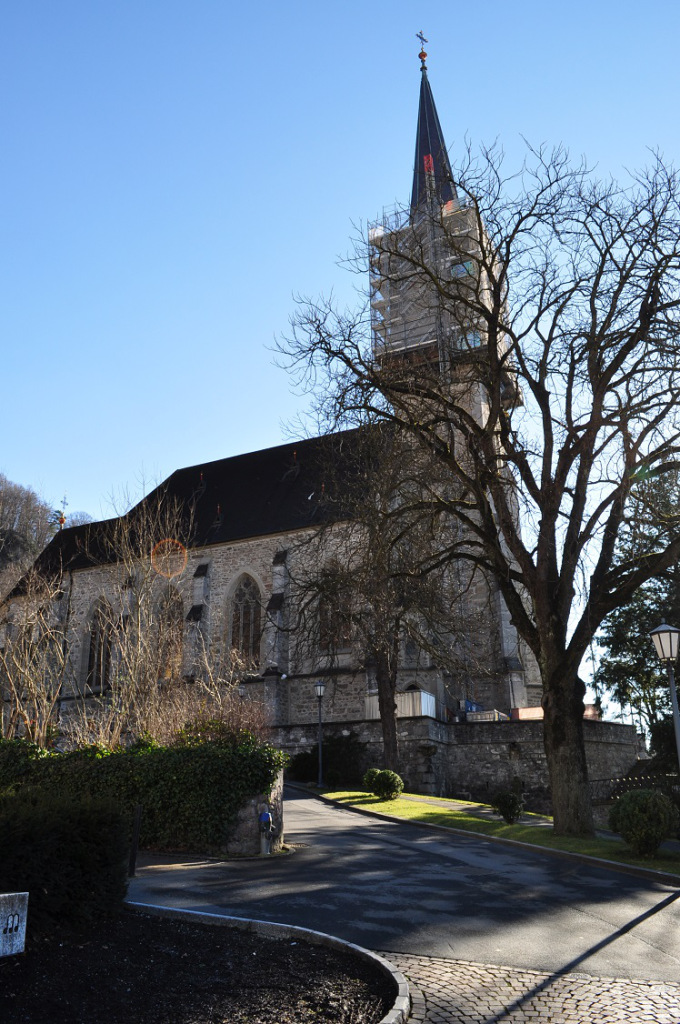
x=244 y=840
x=474 y=760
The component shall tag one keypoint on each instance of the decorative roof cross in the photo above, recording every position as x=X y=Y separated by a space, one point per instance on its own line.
x=422 y=54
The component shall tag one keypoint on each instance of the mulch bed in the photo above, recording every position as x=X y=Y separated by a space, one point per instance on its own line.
x=149 y=970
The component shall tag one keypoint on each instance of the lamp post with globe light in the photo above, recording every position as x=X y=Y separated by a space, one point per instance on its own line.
x=666 y=640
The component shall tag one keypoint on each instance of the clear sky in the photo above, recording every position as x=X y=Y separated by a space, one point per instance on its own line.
x=173 y=173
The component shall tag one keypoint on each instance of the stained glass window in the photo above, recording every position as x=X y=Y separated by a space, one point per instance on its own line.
x=245 y=620
x=99 y=657
x=170 y=635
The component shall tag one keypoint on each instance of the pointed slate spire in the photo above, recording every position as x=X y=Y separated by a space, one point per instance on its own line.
x=432 y=177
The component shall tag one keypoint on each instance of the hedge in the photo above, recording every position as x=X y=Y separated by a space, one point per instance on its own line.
x=190 y=795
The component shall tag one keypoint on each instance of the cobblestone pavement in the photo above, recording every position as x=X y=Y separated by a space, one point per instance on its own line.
x=460 y=992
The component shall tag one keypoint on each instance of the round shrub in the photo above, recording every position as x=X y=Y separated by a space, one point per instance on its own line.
x=369 y=779
x=388 y=785
x=508 y=805
x=644 y=818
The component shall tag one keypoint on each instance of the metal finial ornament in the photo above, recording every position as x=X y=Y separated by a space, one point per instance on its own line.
x=422 y=54
x=62 y=515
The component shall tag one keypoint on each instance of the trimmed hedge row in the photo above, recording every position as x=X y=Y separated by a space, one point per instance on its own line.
x=190 y=795
x=70 y=855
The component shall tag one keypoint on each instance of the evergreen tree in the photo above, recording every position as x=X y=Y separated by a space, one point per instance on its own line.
x=630 y=671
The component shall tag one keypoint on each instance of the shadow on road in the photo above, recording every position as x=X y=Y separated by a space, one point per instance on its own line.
x=577 y=961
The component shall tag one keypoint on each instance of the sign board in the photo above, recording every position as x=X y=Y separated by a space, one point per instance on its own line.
x=13 y=911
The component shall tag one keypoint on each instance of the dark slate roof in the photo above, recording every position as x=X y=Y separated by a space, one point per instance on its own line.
x=272 y=491
x=431 y=163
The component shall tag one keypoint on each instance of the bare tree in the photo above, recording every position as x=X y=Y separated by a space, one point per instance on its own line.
x=34 y=662
x=526 y=335
x=144 y=672
x=26 y=524
x=368 y=580
x=134 y=656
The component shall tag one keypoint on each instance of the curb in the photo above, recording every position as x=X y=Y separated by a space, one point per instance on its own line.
x=577 y=858
x=401 y=1008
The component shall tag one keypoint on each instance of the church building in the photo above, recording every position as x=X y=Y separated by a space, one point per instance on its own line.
x=224 y=577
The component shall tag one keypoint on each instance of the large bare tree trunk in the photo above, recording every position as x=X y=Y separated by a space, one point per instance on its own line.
x=565 y=752
x=387 y=684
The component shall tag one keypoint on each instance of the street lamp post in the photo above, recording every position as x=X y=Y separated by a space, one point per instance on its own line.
x=666 y=640
x=320 y=686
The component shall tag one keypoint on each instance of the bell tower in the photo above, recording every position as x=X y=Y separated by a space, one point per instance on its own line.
x=434 y=239
x=432 y=267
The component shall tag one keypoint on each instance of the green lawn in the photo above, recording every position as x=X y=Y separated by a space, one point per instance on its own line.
x=534 y=834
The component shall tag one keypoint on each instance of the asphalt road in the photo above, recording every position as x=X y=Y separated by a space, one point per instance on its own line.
x=396 y=887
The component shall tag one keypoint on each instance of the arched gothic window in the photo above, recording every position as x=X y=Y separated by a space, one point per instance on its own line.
x=335 y=612
x=245 y=620
x=170 y=635
x=99 y=656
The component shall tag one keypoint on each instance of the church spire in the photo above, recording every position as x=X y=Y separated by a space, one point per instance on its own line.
x=432 y=177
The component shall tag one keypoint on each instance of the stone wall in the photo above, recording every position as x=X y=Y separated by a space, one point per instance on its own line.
x=486 y=756
x=474 y=760
x=244 y=840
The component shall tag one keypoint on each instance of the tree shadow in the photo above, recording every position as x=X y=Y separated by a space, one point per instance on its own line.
x=568 y=968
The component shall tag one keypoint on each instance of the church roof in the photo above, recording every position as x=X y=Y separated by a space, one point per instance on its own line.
x=432 y=176
x=275 y=490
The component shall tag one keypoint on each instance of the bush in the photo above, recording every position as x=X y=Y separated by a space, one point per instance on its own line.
x=388 y=785
x=69 y=853
x=508 y=804
x=644 y=818
x=190 y=794
x=369 y=779
x=17 y=759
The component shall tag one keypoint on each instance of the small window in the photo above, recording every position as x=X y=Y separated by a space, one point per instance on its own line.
x=462 y=268
x=411 y=653
x=466 y=340
x=275 y=602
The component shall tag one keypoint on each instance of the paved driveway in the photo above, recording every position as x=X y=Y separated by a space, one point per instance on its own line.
x=396 y=887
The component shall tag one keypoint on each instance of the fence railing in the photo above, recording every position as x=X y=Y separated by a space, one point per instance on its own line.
x=604 y=790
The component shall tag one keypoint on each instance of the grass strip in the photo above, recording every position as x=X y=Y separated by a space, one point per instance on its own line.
x=540 y=835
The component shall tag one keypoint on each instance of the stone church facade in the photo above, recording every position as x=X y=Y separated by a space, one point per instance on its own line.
x=234 y=590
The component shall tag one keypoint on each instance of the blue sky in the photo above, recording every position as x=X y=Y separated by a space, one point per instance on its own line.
x=173 y=173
